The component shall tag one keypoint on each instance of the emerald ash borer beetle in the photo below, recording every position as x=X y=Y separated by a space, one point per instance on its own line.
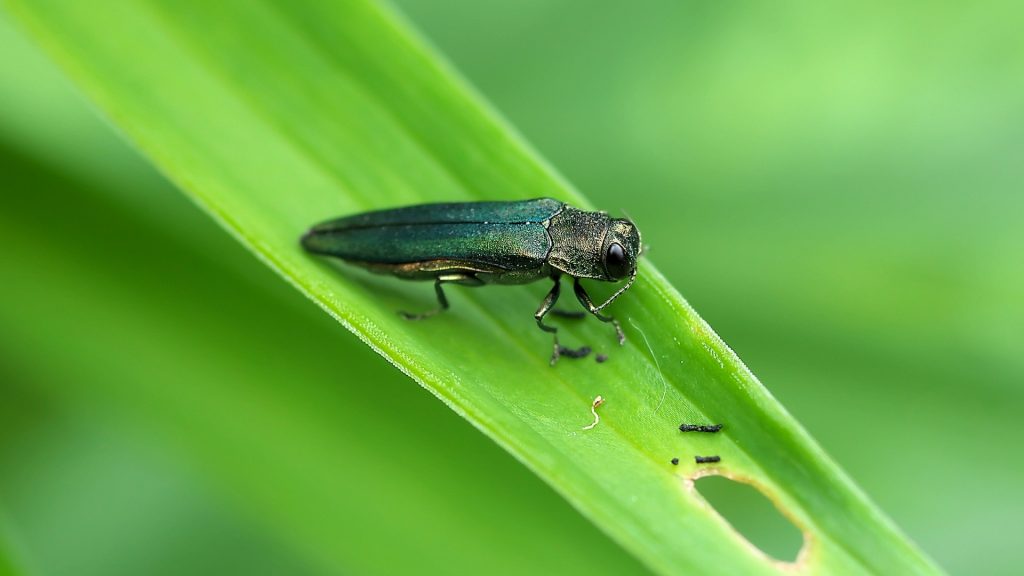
x=477 y=243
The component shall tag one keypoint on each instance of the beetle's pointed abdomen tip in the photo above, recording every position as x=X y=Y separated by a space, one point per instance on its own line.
x=310 y=242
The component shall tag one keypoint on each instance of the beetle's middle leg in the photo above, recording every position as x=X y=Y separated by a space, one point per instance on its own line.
x=547 y=306
x=587 y=303
x=442 y=301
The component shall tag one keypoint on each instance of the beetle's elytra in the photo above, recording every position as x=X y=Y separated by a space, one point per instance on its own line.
x=477 y=243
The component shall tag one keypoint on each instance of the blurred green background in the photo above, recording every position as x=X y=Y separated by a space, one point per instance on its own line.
x=836 y=188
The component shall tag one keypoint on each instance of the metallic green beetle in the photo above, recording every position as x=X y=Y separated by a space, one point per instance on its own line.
x=477 y=243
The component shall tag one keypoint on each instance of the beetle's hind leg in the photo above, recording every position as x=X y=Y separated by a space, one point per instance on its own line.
x=546 y=306
x=587 y=303
x=442 y=301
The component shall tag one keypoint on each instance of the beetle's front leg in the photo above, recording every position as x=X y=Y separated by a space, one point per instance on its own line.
x=542 y=311
x=546 y=306
x=587 y=303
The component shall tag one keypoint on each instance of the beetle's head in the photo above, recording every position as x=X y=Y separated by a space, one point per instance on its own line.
x=593 y=245
x=620 y=250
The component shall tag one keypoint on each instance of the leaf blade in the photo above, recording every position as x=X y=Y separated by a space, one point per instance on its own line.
x=346 y=109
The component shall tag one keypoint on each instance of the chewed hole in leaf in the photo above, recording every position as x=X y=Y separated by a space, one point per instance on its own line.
x=754 y=516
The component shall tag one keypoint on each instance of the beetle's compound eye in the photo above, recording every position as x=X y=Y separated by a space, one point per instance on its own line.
x=615 y=262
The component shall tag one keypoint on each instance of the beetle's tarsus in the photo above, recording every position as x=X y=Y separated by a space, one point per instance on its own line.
x=581 y=352
x=558 y=351
x=574 y=314
x=421 y=315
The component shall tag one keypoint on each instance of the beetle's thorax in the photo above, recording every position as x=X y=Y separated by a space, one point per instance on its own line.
x=577 y=238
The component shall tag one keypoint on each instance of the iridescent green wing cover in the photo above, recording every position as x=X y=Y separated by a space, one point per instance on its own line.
x=501 y=235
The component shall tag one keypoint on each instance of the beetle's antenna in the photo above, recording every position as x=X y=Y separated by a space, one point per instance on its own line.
x=618 y=292
x=643 y=247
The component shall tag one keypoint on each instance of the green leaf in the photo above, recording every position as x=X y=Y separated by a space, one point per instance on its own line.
x=277 y=116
